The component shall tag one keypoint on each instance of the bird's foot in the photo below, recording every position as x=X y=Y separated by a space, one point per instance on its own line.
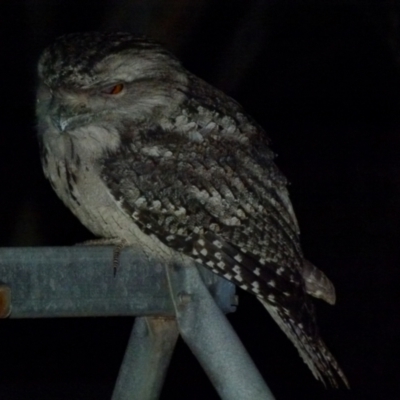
x=118 y=244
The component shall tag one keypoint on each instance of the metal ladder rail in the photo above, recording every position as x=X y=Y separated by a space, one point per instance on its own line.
x=167 y=300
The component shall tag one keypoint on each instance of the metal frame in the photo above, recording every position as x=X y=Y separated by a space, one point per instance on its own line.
x=168 y=301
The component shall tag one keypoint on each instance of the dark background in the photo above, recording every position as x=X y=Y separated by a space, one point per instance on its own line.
x=323 y=79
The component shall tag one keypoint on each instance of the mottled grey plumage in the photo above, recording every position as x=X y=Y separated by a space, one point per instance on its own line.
x=143 y=151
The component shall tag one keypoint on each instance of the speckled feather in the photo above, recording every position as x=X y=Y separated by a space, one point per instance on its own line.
x=179 y=166
x=216 y=205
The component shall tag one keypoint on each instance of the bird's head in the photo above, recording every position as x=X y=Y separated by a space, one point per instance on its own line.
x=94 y=78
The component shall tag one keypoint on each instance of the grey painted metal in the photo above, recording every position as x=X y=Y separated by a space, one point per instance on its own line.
x=79 y=281
x=209 y=335
x=146 y=359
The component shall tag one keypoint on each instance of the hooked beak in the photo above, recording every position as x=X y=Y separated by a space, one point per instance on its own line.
x=67 y=118
x=60 y=123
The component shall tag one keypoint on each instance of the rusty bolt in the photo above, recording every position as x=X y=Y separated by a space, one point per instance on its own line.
x=5 y=300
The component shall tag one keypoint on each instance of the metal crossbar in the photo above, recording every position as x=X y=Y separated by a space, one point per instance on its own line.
x=168 y=301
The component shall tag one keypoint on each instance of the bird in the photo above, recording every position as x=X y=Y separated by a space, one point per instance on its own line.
x=147 y=154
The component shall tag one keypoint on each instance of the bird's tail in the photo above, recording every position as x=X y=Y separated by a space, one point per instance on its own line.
x=311 y=347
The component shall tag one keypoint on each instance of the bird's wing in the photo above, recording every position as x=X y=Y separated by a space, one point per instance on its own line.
x=213 y=194
x=224 y=204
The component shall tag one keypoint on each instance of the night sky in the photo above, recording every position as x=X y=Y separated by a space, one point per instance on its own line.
x=324 y=82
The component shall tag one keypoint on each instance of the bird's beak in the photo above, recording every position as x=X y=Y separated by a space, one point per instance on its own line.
x=67 y=118
x=60 y=123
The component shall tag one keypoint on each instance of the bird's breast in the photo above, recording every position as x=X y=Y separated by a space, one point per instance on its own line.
x=78 y=183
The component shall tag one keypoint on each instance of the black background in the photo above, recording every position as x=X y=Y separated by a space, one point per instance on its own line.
x=323 y=79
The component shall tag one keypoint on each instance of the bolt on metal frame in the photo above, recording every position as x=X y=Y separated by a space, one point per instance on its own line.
x=167 y=300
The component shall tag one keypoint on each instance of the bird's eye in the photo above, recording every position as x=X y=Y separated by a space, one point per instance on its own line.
x=116 y=89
